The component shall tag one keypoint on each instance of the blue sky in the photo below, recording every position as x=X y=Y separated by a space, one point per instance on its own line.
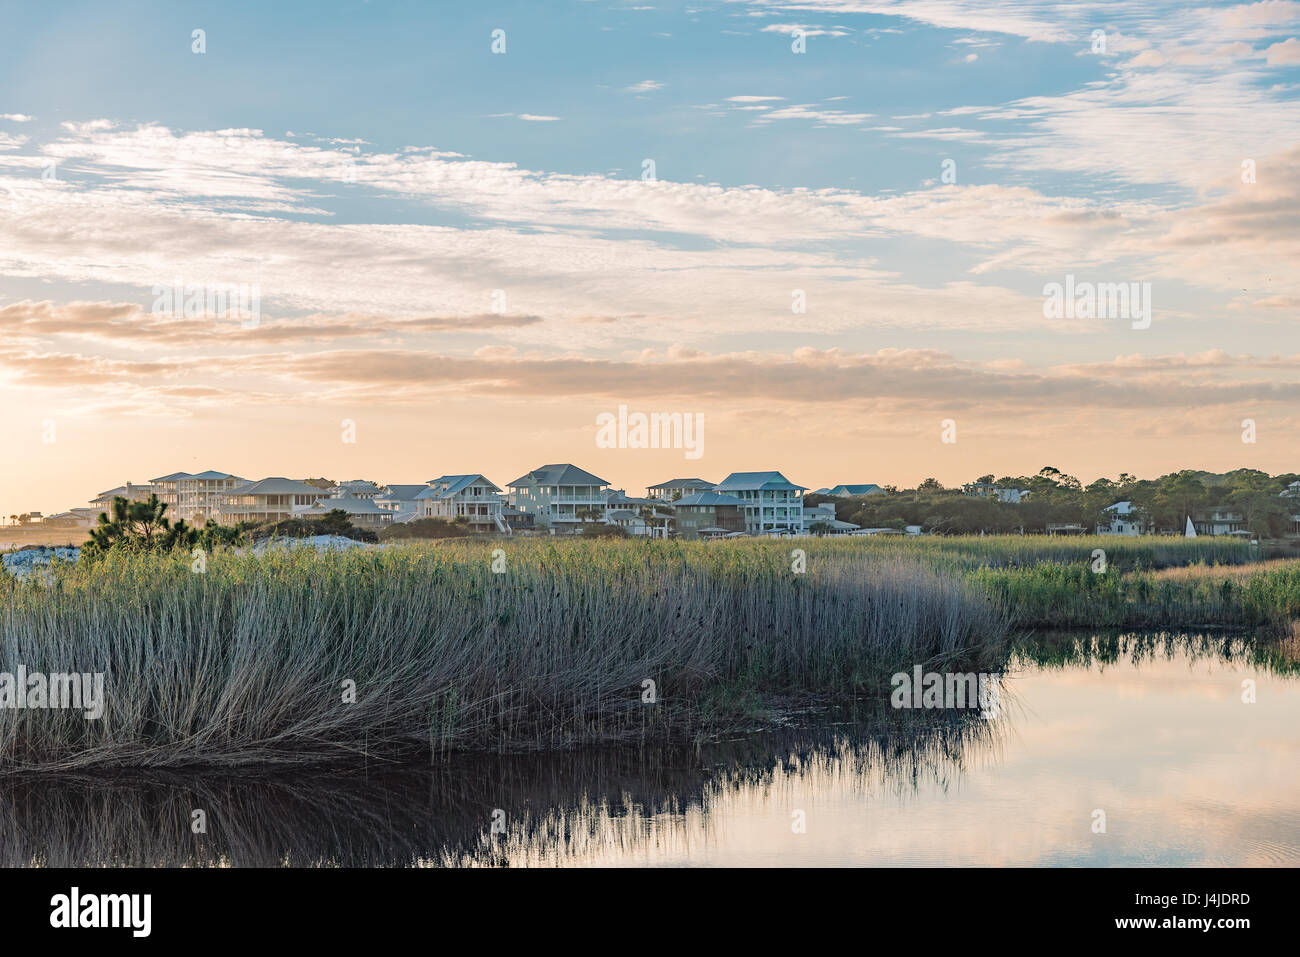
x=371 y=165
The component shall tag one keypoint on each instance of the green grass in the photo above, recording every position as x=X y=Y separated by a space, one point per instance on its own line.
x=246 y=663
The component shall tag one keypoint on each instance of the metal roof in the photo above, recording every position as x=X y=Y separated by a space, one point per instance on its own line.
x=562 y=474
x=453 y=484
x=277 y=485
x=684 y=483
x=751 y=481
x=707 y=498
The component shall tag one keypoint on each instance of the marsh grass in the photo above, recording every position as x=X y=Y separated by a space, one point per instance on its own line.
x=1263 y=597
x=246 y=664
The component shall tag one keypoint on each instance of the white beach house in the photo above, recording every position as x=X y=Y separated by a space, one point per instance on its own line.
x=471 y=498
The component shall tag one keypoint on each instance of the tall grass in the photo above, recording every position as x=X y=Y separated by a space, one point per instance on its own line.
x=1265 y=597
x=248 y=662
x=1123 y=553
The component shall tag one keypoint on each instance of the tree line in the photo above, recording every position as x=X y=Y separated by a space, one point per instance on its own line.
x=1056 y=498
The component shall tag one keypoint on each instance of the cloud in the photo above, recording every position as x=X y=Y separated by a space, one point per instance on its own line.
x=1285 y=53
x=645 y=86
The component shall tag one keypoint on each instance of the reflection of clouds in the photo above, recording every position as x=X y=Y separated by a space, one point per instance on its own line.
x=1184 y=776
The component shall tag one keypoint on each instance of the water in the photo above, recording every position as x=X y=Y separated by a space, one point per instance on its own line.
x=1153 y=732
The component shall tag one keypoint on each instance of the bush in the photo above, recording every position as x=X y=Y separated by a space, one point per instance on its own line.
x=333 y=522
x=604 y=531
x=424 y=528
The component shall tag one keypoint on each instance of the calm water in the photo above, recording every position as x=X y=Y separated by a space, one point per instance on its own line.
x=1154 y=733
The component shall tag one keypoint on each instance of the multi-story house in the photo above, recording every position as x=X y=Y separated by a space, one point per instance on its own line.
x=469 y=498
x=402 y=501
x=674 y=489
x=1219 y=521
x=268 y=500
x=708 y=515
x=773 y=504
x=560 y=497
x=195 y=497
x=1122 y=518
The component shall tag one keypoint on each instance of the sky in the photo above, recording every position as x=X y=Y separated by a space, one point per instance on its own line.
x=826 y=229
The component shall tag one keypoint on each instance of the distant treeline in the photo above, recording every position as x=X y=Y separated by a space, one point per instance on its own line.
x=1059 y=499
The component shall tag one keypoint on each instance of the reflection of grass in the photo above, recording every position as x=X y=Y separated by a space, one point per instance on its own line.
x=556 y=805
x=246 y=664
x=1058 y=650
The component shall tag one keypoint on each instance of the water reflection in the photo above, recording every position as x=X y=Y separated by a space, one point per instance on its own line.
x=1150 y=729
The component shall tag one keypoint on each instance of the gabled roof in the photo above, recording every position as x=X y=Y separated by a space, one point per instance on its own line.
x=445 y=486
x=563 y=474
x=868 y=489
x=175 y=476
x=277 y=485
x=707 y=498
x=683 y=483
x=211 y=474
x=752 y=481
x=402 y=493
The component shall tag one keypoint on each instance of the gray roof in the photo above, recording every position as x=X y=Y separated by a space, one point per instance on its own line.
x=445 y=486
x=277 y=485
x=402 y=493
x=562 y=474
x=750 y=481
x=684 y=483
x=173 y=477
x=707 y=498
